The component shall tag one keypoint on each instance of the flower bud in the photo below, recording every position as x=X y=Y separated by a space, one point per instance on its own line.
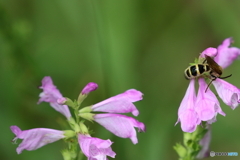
x=91 y=86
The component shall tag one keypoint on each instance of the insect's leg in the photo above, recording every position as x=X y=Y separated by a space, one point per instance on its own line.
x=226 y=76
x=213 y=79
x=209 y=85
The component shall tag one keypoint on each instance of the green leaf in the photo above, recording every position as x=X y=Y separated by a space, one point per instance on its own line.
x=180 y=149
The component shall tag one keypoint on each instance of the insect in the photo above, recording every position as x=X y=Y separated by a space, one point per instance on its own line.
x=196 y=70
x=208 y=66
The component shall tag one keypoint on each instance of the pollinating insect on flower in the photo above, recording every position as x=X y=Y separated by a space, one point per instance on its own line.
x=204 y=107
x=209 y=67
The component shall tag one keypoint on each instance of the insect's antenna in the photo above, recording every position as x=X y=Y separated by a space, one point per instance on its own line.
x=209 y=84
x=226 y=76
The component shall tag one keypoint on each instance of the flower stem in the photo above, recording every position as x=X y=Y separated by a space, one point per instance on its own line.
x=191 y=146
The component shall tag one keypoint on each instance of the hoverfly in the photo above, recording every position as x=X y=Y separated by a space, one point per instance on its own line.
x=208 y=66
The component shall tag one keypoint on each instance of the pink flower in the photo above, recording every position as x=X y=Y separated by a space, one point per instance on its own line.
x=91 y=86
x=207 y=105
x=227 y=92
x=186 y=113
x=120 y=125
x=51 y=94
x=95 y=148
x=121 y=103
x=35 y=138
x=226 y=55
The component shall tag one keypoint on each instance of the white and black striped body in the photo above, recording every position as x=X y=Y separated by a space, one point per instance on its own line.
x=196 y=70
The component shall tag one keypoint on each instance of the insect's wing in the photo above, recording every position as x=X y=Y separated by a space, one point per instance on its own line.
x=213 y=65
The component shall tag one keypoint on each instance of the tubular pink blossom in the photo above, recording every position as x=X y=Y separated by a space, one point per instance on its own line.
x=35 y=138
x=227 y=92
x=207 y=105
x=121 y=103
x=186 y=113
x=95 y=148
x=51 y=94
x=212 y=52
x=91 y=86
x=120 y=125
x=226 y=54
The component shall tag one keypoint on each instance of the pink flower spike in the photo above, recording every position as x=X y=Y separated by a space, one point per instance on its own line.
x=212 y=52
x=35 y=138
x=120 y=125
x=227 y=92
x=95 y=148
x=226 y=54
x=207 y=105
x=186 y=112
x=121 y=103
x=51 y=95
x=91 y=86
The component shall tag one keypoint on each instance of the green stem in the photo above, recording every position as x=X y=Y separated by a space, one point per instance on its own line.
x=76 y=115
x=191 y=147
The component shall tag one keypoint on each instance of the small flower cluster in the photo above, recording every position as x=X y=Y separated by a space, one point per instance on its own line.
x=205 y=106
x=93 y=148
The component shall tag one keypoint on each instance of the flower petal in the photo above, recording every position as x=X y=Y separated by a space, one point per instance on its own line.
x=226 y=55
x=95 y=148
x=212 y=52
x=121 y=103
x=186 y=112
x=120 y=125
x=35 y=138
x=16 y=130
x=207 y=105
x=227 y=92
x=51 y=95
x=189 y=121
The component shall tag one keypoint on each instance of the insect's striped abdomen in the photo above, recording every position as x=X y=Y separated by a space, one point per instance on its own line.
x=196 y=70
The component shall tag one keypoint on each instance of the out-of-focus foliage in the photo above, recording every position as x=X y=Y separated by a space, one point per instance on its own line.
x=124 y=44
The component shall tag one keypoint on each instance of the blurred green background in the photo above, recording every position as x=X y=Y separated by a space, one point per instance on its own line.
x=120 y=45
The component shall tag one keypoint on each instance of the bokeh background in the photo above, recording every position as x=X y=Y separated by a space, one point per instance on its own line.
x=120 y=45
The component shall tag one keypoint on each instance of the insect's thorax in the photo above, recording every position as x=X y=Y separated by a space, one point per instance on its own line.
x=215 y=75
